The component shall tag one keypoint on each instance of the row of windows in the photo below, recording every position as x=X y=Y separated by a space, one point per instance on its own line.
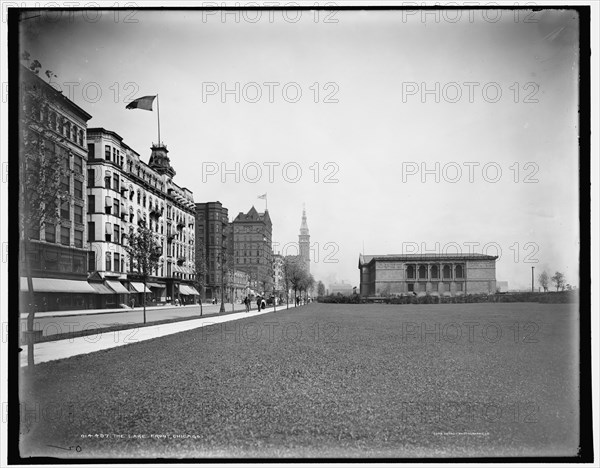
x=62 y=125
x=248 y=229
x=422 y=287
x=240 y=261
x=65 y=235
x=421 y=271
x=113 y=182
x=65 y=212
x=113 y=154
x=119 y=262
x=146 y=176
x=112 y=233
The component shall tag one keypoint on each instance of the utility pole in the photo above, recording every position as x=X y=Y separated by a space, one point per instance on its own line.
x=532 y=269
x=222 y=309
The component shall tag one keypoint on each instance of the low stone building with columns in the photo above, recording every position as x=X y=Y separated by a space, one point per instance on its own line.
x=435 y=274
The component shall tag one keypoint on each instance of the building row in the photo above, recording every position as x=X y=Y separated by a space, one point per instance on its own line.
x=79 y=259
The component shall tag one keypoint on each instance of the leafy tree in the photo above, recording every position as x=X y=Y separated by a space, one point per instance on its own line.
x=559 y=281
x=229 y=275
x=544 y=280
x=293 y=274
x=320 y=288
x=201 y=270
x=44 y=163
x=144 y=251
x=306 y=283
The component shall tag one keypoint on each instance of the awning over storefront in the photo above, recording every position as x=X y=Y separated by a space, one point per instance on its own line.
x=139 y=287
x=117 y=287
x=185 y=290
x=156 y=285
x=194 y=291
x=101 y=289
x=58 y=285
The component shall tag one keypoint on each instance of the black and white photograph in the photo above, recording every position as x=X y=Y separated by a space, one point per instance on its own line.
x=299 y=232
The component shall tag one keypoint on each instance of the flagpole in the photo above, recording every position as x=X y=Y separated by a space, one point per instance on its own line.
x=158 y=117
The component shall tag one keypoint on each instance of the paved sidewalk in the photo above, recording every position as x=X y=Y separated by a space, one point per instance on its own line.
x=53 y=350
x=207 y=308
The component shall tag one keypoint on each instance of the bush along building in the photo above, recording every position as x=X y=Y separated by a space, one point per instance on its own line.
x=125 y=193
x=439 y=275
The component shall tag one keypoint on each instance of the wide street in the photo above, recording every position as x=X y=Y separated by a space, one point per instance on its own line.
x=322 y=380
x=56 y=323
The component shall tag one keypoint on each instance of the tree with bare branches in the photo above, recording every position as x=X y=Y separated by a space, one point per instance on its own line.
x=144 y=251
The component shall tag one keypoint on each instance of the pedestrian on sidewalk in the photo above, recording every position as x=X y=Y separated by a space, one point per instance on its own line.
x=133 y=302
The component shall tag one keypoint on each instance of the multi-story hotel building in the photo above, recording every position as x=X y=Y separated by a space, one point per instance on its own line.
x=57 y=249
x=449 y=274
x=123 y=192
x=252 y=250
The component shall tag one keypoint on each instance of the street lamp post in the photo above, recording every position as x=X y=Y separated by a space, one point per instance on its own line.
x=222 y=260
x=274 y=292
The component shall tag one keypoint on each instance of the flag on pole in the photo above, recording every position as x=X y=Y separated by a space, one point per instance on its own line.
x=263 y=196
x=142 y=103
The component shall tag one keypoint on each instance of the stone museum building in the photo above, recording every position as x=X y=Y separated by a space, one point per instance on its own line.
x=435 y=274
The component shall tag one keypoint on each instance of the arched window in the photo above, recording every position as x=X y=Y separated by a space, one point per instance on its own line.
x=435 y=274
x=422 y=272
x=410 y=272
x=459 y=271
x=446 y=272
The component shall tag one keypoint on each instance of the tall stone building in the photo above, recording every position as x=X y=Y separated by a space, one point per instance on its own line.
x=449 y=274
x=123 y=192
x=252 y=248
x=212 y=225
x=56 y=253
x=304 y=242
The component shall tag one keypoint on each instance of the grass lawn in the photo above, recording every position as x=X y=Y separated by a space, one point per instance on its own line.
x=324 y=380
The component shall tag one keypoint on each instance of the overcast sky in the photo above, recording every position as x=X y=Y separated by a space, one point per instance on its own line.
x=371 y=140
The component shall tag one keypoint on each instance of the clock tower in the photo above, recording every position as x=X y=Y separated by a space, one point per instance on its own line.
x=304 y=242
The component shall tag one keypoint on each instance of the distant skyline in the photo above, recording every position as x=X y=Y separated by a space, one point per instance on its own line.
x=500 y=143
